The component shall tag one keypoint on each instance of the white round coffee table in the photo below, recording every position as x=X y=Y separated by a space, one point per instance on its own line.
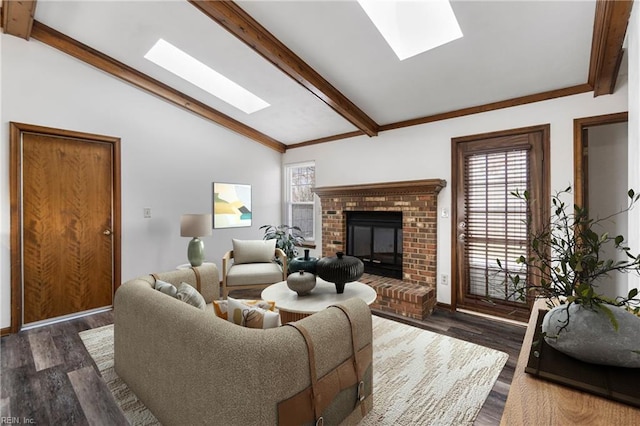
x=293 y=307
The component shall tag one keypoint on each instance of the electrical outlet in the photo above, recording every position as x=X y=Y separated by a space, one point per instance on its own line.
x=444 y=279
x=444 y=212
x=147 y=212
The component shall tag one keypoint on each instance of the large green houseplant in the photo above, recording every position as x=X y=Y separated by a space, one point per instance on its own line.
x=288 y=238
x=565 y=265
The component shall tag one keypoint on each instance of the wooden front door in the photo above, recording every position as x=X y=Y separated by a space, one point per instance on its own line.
x=489 y=223
x=68 y=221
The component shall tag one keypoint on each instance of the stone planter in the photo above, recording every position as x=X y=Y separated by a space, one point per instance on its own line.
x=591 y=337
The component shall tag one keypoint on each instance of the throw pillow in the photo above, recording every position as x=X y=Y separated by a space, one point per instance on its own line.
x=166 y=288
x=253 y=251
x=221 y=307
x=190 y=295
x=251 y=316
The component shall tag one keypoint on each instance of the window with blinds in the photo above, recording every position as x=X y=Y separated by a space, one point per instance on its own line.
x=300 y=181
x=496 y=221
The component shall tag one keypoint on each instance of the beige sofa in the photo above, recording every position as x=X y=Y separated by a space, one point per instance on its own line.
x=190 y=367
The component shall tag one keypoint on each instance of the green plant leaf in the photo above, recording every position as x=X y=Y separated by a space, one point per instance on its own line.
x=610 y=315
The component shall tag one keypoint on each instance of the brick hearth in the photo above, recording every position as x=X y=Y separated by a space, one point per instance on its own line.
x=415 y=295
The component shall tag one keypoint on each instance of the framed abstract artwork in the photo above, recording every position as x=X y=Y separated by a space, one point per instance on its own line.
x=231 y=205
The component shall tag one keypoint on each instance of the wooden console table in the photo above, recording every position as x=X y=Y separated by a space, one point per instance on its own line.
x=534 y=401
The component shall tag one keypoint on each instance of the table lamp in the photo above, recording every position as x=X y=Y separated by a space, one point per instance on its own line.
x=196 y=226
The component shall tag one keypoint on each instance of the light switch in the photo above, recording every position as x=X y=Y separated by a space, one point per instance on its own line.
x=147 y=212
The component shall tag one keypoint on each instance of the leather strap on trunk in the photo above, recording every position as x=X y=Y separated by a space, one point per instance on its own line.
x=198 y=279
x=357 y=361
x=308 y=405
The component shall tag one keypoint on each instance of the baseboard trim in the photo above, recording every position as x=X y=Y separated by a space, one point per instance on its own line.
x=443 y=305
x=63 y=318
x=5 y=331
x=493 y=317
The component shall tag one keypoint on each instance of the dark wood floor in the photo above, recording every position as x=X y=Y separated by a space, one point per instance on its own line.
x=48 y=378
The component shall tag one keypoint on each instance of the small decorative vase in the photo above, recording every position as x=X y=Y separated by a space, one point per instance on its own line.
x=301 y=282
x=590 y=336
x=306 y=263
x=340 y=269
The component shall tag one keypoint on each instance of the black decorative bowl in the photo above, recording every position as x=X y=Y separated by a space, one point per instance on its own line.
x=306 y=263
x=340 y=269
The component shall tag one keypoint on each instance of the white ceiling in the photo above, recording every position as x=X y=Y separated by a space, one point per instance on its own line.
x=509 y=49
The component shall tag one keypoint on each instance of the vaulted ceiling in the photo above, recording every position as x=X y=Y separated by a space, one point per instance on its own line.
x=326 y=71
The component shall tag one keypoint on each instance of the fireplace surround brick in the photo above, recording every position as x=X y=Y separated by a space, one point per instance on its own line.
x=415 y=295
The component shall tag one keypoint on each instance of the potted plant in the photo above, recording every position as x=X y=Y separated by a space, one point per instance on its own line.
x=288 y=238
x=564 y=265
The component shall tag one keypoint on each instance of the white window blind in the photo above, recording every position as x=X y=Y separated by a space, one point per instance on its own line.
x=301 y=179
x=496 y=221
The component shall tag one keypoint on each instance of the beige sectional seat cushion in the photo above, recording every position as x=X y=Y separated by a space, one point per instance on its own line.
x=254 y=273
x=253 y=251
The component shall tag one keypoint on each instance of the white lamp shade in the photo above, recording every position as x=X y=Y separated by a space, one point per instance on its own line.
x=195 y=225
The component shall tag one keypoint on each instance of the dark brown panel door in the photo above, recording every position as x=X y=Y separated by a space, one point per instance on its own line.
x=67 y=205
x=489 y=222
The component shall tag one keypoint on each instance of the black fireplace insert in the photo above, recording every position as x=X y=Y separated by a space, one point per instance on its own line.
x=376 y=239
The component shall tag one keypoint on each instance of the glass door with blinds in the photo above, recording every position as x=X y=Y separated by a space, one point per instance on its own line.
x=490 y=222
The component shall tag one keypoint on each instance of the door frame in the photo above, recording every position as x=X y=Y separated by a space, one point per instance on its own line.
x=545 y=130
x=580 y=182
x=15 y=182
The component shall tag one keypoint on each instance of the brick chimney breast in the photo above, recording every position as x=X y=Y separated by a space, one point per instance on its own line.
x=418 y=202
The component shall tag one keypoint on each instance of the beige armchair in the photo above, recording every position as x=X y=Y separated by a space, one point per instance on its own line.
x=253 y=265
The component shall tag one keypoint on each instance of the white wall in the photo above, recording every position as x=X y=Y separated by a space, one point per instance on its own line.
x=608 y=194
x=169 y=157
x=423 y=152
x=633 y=50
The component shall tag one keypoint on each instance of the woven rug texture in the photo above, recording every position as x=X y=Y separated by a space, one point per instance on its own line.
x=419 y=377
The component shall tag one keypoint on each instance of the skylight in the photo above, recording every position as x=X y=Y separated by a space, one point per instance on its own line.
x=412 y=27
x=195 y=72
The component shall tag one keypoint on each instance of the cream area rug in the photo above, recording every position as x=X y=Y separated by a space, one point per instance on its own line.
x=419 y=377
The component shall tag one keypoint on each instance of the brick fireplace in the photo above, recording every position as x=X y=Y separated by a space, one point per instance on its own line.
x=415 y=294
